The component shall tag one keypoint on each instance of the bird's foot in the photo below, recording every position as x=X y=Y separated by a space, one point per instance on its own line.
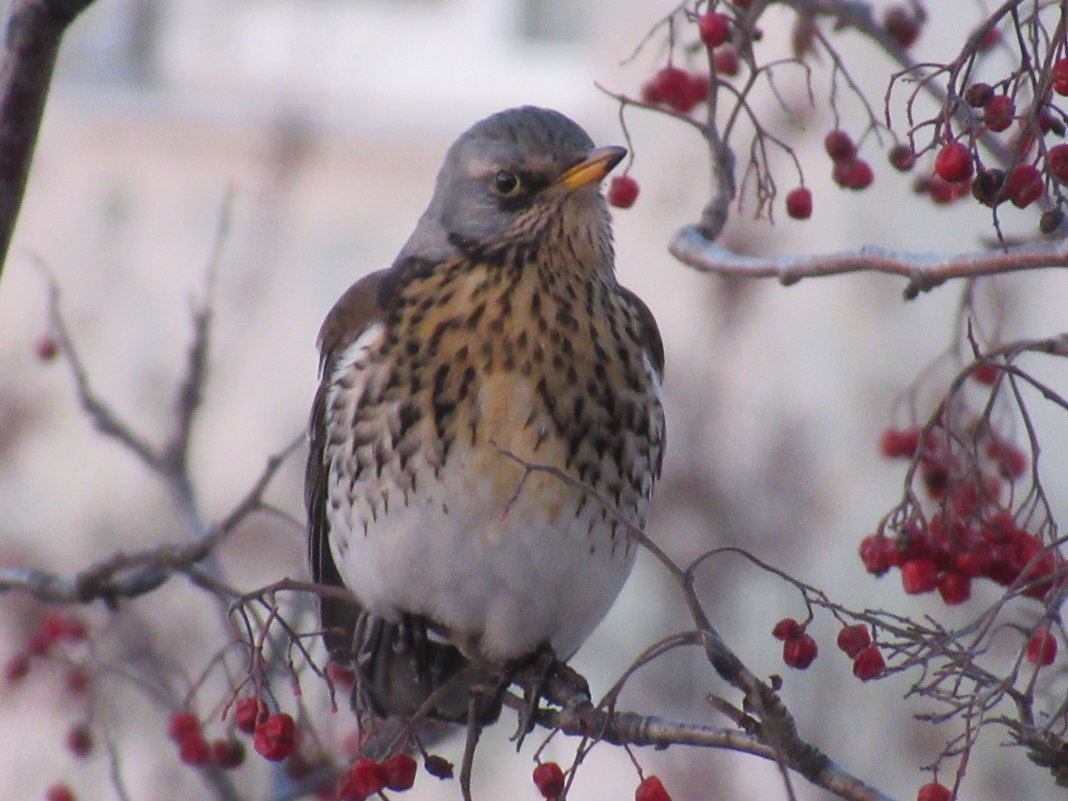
x=484 y=707
x=535 y=674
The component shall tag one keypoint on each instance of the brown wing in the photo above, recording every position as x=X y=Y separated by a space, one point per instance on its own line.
x=654 y=346
x=398 y=665
x=651 y=341
x=357 y=309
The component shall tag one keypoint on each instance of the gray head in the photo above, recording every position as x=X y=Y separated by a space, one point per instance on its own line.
x=510 y=175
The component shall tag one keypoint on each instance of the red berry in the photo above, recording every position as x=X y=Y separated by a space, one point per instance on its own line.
x=227 y=754
x=854 y=639
x=978 y=94
x=954 y=163
x=799 y=203
x=363 y=779
x=1024 y=185
x=1046 y=123
x=859 y=175
x=955 y=588
x=276 y=738
x=651 y=92
x=787 y=629
x=59 y=792
x=669 y=85
x=39 y=644
x=1057 y=162
x=52 y=625
x=933 y=792
x=839 y=146
x=17 y=667
x=1042 y=647
x=182 y=725
x=622 y=191
x=902 y=158
x=80 y=739
x=900 y=444
x=46 y=348
x=918 y=576
x=985 y=373
x=651 y=789
x=725 y=60
x=998 y=112
x=194 y=750
x=400 y=772
x=989 y=40
x=799 y=652
x=942 y=191
x=77 y=680
x=339 y=674
x=695 y=91
x=868 y=663
x=1011 y=461
x=248 y=713
x=549 y=779
x=902 y=26
x=873 y=554
x=714 y=29
x=1060 y=77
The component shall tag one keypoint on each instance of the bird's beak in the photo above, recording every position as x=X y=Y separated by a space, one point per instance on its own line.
x=597 y=164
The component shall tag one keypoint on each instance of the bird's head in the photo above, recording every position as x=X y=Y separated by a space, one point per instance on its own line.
x=518 y=175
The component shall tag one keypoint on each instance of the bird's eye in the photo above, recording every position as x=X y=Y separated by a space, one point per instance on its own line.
x=505 y=184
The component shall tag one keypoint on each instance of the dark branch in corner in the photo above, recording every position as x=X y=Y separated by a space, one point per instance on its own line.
x=34 y=32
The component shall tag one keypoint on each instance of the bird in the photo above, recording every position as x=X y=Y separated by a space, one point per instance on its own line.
x=488 y=427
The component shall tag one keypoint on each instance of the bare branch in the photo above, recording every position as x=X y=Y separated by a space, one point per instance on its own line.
x=924 y=271
x=135 y=573
x=105 y=420
x=630 y=728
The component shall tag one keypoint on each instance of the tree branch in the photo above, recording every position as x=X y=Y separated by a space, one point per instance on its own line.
x=33 y=35
x=924 y=271
x=135 y=573
x=631 y=728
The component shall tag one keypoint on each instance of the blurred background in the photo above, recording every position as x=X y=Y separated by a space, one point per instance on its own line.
x=327 y=120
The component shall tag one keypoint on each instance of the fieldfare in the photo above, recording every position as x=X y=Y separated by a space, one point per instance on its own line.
x=499 y=339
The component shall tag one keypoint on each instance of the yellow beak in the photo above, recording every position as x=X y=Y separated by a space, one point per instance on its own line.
x=597 y=164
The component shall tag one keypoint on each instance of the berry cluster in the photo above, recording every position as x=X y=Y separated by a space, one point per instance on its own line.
x=799 y=649
x=971 y=534
x=55 y=631
x=849 y=171
x=366 y=777
x=1036 y=169
x=855 y=642
x=195 y=750
x=681 y=91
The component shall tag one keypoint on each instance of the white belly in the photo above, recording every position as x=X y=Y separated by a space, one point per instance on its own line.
x=502 y=567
